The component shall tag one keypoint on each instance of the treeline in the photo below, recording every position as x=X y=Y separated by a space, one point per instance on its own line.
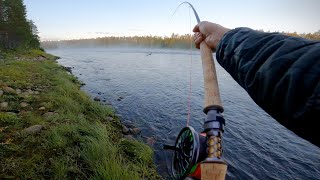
x=16 y=31
x=311 y=36
x=174 y=41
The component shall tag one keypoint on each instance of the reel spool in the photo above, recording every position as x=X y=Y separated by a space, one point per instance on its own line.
x=190 y=148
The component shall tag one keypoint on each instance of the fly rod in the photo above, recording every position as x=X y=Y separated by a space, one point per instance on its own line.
x=200 y=155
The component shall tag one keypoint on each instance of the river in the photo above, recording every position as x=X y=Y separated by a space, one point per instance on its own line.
x=153 y=86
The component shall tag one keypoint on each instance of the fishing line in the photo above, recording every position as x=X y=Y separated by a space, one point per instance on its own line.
x=191 y=60
x=190 y=74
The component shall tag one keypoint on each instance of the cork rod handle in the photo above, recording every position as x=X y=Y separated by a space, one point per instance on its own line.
x=211 y=88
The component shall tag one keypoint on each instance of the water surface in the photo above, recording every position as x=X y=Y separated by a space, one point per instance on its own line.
x=155 y=91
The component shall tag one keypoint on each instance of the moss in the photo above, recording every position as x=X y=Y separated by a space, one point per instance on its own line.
x=76 y=142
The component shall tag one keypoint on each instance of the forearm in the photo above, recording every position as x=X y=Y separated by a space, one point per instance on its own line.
x=279 y=72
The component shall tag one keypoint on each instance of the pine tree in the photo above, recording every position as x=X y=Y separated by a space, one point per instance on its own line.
x=15 y=30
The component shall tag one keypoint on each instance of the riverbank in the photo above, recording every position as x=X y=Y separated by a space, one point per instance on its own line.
x=49 y=128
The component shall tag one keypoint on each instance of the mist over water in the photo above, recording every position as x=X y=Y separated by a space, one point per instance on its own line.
x=154 y=84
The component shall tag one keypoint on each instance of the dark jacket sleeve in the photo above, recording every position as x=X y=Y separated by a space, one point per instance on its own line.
x=280 y=73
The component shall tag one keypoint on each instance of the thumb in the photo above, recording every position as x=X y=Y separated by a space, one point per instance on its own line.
x=196 y=28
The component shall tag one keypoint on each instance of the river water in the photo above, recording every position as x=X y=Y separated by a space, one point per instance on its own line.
x=154 y=90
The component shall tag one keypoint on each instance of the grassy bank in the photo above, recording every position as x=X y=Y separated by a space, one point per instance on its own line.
x=50 y=129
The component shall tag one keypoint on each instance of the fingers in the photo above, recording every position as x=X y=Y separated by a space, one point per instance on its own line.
x=198 y=38
x=196 y=28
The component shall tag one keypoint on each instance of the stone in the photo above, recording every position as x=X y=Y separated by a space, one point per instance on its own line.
x=68 y=69
x=18 y=91
x=24 y=94
x=29 y=91
x=8 y=90
x=129 y=137
x=97 y=99
x=11 y=113
x=151 y=141
x=42 y=108
x=108 y=118
x=4 y=105
x=33 y=129
x=1 y=93
x=128 y=124
x=36 y=92
x=135 y=131
x=49 y=114
x=120 y=98
x=24 y=104
x=125 y=130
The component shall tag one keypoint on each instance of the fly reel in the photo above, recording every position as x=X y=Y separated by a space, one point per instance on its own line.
x=190 y=148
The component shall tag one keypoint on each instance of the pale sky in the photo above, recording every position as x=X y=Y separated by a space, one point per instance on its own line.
x=74 y=19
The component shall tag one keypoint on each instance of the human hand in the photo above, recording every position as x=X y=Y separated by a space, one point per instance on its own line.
x=210 y=32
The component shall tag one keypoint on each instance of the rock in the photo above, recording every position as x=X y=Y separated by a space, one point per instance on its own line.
x=135 y=131
x=18 y=91
x=151 y=141
x=108 y=118
x=125 y=130
x=42 y=108
x=36 y=92
x=23 y=112
x=68 y=69
x=97 y=99
x=4 y=105
x=29 y=91
x=1 y=92
x=24 y=104
x=49 y=114
x=16 y=134
x=128 y=124
x=120 y=98
x=8 y=90
x=33 y=129
x=24 y=94
x=129 y=137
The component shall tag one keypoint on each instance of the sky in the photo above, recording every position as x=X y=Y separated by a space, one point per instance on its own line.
x=77 y=19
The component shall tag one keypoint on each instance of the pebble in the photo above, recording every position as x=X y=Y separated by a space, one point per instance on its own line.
x=8 y=90
x=120 y=98
x=108 y=118
x=151 y=141
x=135 y=131
x=125 y=130
x=129 y=137
x=4 y=105
x=18 y=91
x=97 y=99
x=33 y=129
x=49 y=114
x=42 y=108
x=24 y=104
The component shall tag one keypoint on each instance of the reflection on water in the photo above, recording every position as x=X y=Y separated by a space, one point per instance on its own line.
x=154 y=88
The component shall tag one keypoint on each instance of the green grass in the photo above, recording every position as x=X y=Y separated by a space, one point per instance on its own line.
x=76 y=142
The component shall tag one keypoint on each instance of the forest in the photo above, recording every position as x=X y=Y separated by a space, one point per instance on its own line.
x=16 y=31
x=173 y=41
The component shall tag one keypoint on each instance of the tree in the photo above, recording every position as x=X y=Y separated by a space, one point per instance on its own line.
x=15 y=30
